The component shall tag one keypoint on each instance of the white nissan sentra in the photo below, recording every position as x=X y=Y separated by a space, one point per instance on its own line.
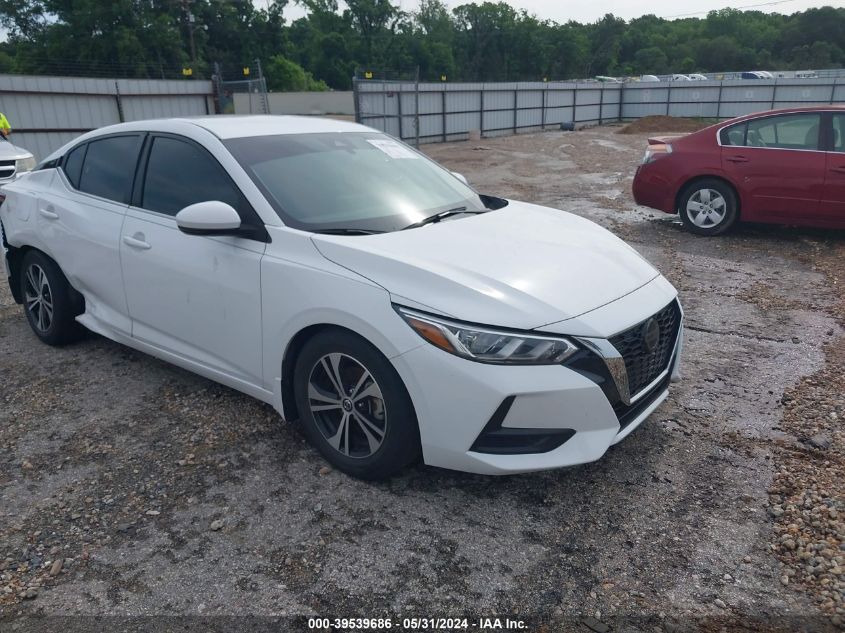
x=357 y=286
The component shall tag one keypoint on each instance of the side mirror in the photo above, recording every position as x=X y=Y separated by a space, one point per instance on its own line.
x=461 y=177
x=208 y=218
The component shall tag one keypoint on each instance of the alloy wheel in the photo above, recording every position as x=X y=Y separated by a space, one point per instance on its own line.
x=39 y=297
x=347 y=405
x=707 y=208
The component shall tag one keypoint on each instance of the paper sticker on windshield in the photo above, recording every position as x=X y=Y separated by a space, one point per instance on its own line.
x=393 y=149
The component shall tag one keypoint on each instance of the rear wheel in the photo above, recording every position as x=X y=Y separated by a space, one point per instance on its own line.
x=354 y=407
x=51 y=305
x=708 y=207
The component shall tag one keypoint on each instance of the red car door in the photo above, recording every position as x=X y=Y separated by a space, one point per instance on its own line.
x=777 y=166
x=832 y=207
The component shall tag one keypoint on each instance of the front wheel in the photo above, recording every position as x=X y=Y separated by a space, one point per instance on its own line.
x=354 y=407
x=708 y=207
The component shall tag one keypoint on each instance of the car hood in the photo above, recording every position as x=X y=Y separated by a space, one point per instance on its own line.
x=522 y=266
x=8 y=151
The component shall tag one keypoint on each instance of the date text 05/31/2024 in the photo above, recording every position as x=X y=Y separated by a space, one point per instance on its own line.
x=416 y=624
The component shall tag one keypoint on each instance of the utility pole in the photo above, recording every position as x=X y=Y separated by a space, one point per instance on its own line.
x=186 y=7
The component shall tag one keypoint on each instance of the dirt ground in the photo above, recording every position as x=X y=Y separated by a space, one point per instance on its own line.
x=164 y=494
x=661 y=123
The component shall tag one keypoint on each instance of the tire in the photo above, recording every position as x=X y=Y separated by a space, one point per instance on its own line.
x=708 y=207
x=371 y=433
x=50 y=303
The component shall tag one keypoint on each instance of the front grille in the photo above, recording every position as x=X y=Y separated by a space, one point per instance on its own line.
x=628 y=413
x=645 y=366
x=7 y=168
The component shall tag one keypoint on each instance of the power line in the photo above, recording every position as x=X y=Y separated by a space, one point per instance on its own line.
x=747 y=6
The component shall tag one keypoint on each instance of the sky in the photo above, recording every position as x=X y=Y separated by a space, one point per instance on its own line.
x=585 y=11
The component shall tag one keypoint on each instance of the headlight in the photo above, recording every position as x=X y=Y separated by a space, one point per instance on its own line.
x=25 y=164
x=486 y=345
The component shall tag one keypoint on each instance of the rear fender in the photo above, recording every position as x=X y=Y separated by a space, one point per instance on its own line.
x=11 y=260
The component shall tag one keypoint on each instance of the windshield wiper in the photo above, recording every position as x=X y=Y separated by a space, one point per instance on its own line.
x=347 y=232
x=432 y=219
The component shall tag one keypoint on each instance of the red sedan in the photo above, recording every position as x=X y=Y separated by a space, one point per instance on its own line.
x=783 y=166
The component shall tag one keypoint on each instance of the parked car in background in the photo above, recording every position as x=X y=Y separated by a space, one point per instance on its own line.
x=679 y=77
x=698 y=77
x=757 y=74
x=649 y=78
x=783 y=166
x=352 y=283
x=14 y=161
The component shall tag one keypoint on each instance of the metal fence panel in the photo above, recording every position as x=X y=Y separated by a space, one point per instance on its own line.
x=137 y=108
x=47 y=112
x=527 y=118
x=499 y=99
x=42 y=144
x=454 y=111
x=560 y=97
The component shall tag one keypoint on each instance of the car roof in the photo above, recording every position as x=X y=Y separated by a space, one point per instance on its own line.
x=239 y=126
x=224 y=127
x=798 y=109
x=234 y=126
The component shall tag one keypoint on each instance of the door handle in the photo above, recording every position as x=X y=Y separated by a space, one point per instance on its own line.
x=135 y=242
x=49 y=212
x=840 y=169
x=737 y=159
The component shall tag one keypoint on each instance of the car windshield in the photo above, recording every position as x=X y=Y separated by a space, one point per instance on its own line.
x=349 y=181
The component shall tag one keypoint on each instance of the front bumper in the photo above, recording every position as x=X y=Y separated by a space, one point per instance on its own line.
x=456 y=400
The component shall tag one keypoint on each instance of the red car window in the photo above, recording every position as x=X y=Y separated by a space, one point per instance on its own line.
x=839 y=132
x=787 y=131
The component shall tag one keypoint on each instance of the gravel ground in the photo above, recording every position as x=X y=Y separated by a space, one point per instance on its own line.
x=131 y=488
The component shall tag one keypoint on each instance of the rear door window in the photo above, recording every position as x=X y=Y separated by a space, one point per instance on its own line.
x=733 y=135
x=109 y=167
x=786 y=131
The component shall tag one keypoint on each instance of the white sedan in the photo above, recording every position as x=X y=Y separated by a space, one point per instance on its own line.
x=346 y=279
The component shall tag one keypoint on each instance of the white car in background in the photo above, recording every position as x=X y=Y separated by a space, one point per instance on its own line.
x=14 y=161
x=346 y=279
x=698 y=77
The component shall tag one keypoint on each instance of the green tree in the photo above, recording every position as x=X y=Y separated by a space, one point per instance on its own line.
x=284 y=75
x=487 y=40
